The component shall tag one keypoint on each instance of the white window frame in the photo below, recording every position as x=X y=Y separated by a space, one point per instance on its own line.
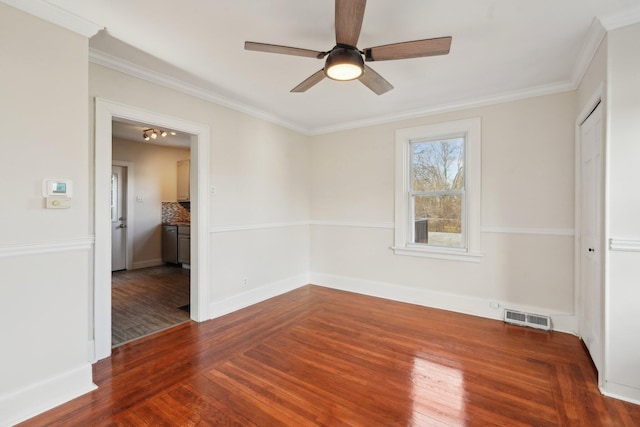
x=403 y=244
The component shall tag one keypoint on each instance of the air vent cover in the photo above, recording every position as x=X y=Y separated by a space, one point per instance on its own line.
x=527 y=319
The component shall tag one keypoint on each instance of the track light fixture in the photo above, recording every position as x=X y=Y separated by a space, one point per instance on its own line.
x=152 y=133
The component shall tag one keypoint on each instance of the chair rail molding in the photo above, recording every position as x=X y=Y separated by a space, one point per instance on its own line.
x=81 y=244
x=624 y=244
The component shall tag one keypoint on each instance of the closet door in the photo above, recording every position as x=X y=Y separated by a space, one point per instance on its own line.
x=591 y=292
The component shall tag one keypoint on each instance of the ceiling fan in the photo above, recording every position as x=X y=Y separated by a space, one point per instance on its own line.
x=345 y=61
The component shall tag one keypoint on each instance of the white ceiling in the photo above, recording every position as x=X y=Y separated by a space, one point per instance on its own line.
x=500 y=47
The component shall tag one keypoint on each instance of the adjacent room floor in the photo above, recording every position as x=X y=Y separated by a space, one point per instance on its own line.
x=147 y=300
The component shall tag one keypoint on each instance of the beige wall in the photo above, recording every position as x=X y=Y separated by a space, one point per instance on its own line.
x=155 y=180
x=527 y=212
x=44 y=253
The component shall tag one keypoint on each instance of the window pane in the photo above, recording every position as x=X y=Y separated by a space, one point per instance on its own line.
x=438 y=165
x=438 y=220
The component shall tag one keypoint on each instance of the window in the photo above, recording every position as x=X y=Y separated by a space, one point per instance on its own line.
x=438 y=190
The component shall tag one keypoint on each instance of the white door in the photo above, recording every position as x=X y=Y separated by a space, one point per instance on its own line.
x=591 y=293
x=118 y=221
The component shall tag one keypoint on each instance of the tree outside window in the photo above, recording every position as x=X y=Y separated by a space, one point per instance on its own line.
x=438 y=191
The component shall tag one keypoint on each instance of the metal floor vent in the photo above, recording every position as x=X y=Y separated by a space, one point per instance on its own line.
x=527 y=319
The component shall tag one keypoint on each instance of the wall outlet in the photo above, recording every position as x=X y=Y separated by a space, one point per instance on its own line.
x=494 y=304
x=245 y=281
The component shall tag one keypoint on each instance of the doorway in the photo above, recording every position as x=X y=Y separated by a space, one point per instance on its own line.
x=106 y=112
x=150 y=293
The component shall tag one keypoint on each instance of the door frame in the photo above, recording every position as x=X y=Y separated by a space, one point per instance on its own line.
x=105 y=112
x=128 y=211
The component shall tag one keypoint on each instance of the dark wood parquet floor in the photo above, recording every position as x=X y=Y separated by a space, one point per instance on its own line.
x=316 y=356
x=147 y=300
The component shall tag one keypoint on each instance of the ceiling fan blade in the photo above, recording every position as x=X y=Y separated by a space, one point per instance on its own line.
x=285 y=50
x=349 y=16
x=375 y=81
x=314 y=79
x=413 y=49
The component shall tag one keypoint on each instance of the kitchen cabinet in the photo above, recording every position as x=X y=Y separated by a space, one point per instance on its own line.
x=184 y=244
x=176 y=244
x=184 y=180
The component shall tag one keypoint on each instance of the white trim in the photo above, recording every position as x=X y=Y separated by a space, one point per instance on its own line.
x=590 y=46
x=147 y=263
x=567 y=232
x=475 y=306
x=596 y=33
x=472 y=129
x=248 y=227
x=20 y=405
x=126 y=67
x=624 y=245
x=437 y=253
x=256 y=295
x=56 y=15
x=105 y=112
x=46 y=247
x=621 y=392
x=621 y=18
x=500 y=98
x=129 y=211
x=381 y=225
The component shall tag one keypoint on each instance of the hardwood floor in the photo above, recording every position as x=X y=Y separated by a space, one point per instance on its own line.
x=317 y=356
x=147 y=300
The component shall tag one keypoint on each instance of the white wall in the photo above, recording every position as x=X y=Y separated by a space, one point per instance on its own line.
x=260 y=174
x=155 y=181
x=44 y=254
x=623 y=200
x=527 y=214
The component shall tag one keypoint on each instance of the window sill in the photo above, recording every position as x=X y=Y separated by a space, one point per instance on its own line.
x=438 y=254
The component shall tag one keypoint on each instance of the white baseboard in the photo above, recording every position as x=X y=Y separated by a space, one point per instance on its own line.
x=28 y=402
x=622 y=392
x=564 y=322
x=148 y=263
x=256 y=295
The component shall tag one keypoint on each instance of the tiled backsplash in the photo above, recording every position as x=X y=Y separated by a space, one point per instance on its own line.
x=175 y=212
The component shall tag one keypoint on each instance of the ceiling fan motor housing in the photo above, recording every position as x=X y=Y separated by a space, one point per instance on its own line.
x=346 y=58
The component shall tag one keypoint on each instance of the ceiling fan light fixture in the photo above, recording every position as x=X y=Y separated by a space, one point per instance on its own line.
x=344 y=64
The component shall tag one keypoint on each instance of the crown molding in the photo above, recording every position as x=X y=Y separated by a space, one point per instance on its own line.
x=56 y=15
x=621 y=18
x=590 y=46
x=510 y=96
x=126 y=67
x=594 y=37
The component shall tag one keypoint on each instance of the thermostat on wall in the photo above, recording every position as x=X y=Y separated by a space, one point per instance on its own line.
x=57 y=187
